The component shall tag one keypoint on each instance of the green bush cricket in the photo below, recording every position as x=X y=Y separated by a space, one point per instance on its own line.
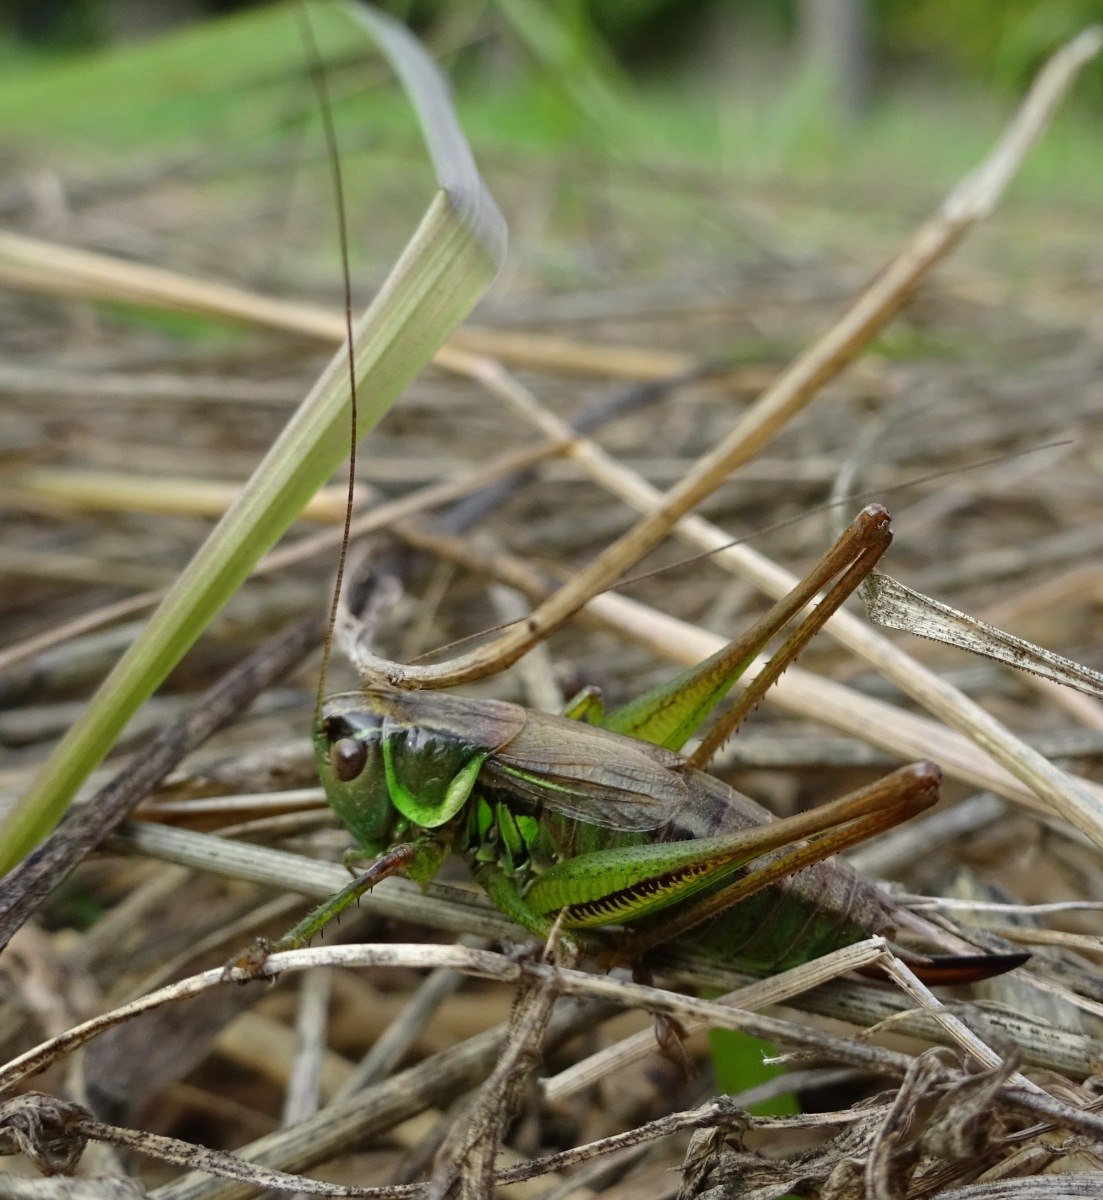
x=591 y=820
x=597 y=820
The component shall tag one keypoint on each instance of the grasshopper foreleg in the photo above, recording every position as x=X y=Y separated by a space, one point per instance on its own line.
x=251 y=962
x=397 y=858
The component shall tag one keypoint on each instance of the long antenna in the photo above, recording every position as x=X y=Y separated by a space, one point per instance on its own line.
x=321 y=90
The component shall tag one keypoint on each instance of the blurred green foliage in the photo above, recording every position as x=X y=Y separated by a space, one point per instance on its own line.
x=1002 y=41
x=534 y=76
x=737 y=1062
x=990 y=41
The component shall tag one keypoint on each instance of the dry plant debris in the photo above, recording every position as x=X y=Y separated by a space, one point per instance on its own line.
x=972 y=417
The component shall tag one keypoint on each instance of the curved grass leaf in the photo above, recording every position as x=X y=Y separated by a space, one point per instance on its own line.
x=443 y=270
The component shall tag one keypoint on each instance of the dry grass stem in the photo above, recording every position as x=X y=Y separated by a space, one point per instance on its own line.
x=798 y=691
x=384 y=1060
x=46 y=267
x=971 y=200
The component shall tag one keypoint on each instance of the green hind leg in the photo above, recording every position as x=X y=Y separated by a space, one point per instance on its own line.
x=670 y=714
x=625 y=884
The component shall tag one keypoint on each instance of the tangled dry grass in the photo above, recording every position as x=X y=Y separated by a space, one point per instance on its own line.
x=973 y=418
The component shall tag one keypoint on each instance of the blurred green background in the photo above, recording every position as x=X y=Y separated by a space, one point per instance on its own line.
x=826 y=90
x=990 y=41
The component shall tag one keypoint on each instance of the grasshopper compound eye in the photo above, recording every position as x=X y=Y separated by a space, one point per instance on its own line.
x=347 y=757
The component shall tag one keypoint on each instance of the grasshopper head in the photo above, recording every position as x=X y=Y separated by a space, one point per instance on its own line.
x=350 y=765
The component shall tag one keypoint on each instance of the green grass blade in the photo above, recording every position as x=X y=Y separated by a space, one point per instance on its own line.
x=199 y=89
x=451 y=259
x=577 y=65
x=738 y=1062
